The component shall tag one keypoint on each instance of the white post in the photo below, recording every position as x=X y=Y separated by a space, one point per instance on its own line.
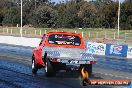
x=89 y=34
x=45 y=32
x=119 y=20
x=40 y=32
x=75 y=32
x=82 y=34
x=105 y=34
x=11 y=31
x=96 y=34
x=17 y=25
x=125 y=35
x=7 y=30
x=35 y=32
x=21 y=20
x=114 y=35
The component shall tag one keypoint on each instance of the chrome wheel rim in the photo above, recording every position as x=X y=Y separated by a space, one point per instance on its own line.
x=46 y=67
x=33 y=64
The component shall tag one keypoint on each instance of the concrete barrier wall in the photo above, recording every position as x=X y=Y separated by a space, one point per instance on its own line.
x=22 y=41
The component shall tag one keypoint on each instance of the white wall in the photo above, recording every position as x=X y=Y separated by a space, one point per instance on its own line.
x=22 y=41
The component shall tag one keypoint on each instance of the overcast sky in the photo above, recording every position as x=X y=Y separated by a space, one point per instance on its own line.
x=88 y=0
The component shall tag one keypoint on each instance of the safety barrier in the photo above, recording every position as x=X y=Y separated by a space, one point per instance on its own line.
x=96 y=48
x=129 y=52
x=92 y=47
x=116 y=50
x=113 y=50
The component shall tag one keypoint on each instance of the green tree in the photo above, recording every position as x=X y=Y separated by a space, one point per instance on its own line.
x=44 y=16
x=12 y=17
x=4 y=6
x=126 y=16
x=129 y=1
x=68 y=14
x=88 y=13
x=107 y=16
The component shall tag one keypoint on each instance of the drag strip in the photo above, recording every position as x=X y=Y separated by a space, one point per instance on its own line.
x=122 y=65
x=18 y=75
x=16 y=50
x=15 y=71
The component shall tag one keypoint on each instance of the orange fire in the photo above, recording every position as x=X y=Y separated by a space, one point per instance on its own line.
x=84 y=73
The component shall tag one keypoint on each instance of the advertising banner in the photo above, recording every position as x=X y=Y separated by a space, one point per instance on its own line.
x=116 y=50
x=129 y=52
x=100 y=49
x=91 y=48
x=96 y=48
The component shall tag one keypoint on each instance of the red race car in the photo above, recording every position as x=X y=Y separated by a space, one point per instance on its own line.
x=61 y=51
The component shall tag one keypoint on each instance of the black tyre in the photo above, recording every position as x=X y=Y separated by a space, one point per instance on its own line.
x=87 y=67
x=49 y=69
x=34 y=67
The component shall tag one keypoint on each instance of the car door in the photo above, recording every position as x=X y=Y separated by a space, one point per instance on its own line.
x=38 y=52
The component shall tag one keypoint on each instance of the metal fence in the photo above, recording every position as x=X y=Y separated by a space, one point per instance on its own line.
x=109 y=36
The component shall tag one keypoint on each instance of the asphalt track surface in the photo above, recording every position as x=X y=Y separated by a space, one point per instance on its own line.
x=15 y=71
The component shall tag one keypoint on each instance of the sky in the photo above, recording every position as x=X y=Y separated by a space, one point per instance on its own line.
x=87 y=0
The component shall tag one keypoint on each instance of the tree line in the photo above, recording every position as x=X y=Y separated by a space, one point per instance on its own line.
x=67 y=14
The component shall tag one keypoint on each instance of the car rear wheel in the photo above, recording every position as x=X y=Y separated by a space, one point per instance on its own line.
x=49 y=69
x=34 y=67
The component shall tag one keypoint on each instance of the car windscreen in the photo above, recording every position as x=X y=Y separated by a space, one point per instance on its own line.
x=64 y=39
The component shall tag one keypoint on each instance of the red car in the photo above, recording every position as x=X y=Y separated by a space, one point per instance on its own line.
x=61 y=51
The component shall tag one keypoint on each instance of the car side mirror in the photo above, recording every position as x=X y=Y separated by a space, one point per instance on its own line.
x=41 y=39
x=40 y=43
